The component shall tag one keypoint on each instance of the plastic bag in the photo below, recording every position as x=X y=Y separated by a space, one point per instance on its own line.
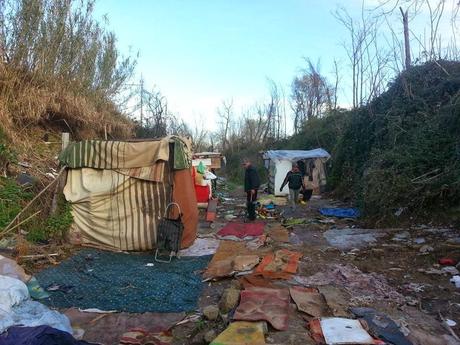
x=10 y=268
x=201 y=169
x=209 y=175
x=32 y=314
x=12 y=292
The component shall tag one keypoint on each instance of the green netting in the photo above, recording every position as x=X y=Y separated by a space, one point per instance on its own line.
x=124 y=282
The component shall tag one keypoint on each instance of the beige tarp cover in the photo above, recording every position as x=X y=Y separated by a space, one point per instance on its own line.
x=119 y=191
x=115 y=211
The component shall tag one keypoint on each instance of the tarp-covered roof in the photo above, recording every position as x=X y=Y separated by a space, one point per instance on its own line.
x=295 y=155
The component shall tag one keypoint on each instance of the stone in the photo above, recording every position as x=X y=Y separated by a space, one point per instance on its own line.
x=210 y=336
x=229 y=300
x=211 y=312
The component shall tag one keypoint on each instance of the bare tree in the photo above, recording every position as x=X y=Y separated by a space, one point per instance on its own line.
x=225 y=112
x=311 y=95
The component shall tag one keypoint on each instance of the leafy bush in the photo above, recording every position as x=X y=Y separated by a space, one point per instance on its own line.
x=55 y=227
x=12 y=197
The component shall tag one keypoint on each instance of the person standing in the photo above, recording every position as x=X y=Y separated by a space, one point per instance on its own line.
x=251 y=185
x=294 y=179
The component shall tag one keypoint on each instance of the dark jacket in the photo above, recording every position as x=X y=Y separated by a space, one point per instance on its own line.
x=251 y=179
x=294 y=178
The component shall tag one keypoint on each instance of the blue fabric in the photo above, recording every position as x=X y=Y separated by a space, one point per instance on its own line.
x=124 y=282
x=40 y=335
x=340 y=212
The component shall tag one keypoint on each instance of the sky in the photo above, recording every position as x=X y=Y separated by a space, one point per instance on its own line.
x=199 y=53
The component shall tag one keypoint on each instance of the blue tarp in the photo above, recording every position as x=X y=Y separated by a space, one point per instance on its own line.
x=340 y=212
x=124 y=282
x=295 y=155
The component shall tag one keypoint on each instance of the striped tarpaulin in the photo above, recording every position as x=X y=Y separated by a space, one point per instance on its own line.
x=101 y=154
x=115 y=211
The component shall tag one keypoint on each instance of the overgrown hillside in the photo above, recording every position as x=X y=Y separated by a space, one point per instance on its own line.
x=60 y=71
x=398 y=157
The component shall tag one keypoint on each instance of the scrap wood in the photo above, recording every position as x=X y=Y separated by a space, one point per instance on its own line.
x=38 y=256
x=5 y=230
x=279 y=265
x=257 y=304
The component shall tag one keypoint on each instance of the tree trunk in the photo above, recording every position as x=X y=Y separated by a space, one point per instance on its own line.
x=406 y=37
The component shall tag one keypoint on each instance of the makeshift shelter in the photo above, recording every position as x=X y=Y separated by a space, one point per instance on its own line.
x=279 y=162
x=119 y=191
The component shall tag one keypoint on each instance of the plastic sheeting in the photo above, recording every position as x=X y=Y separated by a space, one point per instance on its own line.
x=10 y=268
x=295 y=155
x=16 y=308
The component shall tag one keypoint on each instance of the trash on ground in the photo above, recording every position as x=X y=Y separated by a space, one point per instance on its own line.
x=447 y=262
x=381 y=326
x=10 y=268
x=108 y=328
x=255 y=280
x=271 y=305
x=346 y=239
x=201 y=246
x=340 y=212
x=309 y=300
x=279 y=265
x=456 y=281
x=360 y=285
x=242 y=333
x=336 y=331
x=278 y=234
x=139 y=336
x=16 y=308
x=35 y=290
x=245 y=262
x=221 y=264
x=256 y=243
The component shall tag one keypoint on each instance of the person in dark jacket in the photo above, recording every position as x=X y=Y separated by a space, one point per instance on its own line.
x=251 y=185
x=294 y=180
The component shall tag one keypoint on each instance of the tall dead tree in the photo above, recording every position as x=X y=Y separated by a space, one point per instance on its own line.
x=405 y=19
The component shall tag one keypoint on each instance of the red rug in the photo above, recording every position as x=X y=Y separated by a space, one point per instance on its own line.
x=242 y=230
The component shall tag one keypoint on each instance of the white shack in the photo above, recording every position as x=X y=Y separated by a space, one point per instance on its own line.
x=279 y=162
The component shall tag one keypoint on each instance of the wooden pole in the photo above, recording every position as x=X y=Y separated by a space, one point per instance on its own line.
x=60 y=185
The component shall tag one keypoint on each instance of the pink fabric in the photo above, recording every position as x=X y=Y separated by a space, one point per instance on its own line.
x=242 y=230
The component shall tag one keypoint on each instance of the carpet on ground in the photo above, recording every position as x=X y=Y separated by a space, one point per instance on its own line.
x=132 y=282
x=236 y=230
x=257 y=304
x=221 y=264
x=279 y=265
